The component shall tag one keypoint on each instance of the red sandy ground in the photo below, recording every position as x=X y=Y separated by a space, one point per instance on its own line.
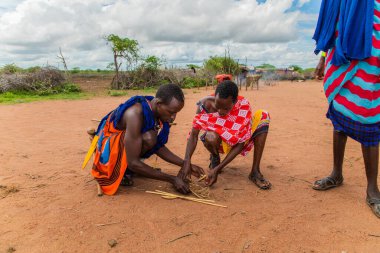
x=57 y=209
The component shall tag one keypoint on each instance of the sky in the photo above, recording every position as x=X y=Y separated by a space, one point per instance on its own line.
x=181 y=32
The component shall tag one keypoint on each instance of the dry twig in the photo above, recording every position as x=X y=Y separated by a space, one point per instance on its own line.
x=106 y=224
x=182 y=236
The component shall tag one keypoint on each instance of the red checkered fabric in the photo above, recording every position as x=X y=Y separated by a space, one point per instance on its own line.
x=233 y=128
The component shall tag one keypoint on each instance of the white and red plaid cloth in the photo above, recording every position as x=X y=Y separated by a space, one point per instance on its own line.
x=234 y=128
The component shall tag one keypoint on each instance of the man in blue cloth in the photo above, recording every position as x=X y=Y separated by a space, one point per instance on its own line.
x=137 y=129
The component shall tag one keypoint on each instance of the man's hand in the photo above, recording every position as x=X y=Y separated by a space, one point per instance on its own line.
x=212 y=177
x=185 y=171
x=180 y=185
x=197 y=171
x=320 y=69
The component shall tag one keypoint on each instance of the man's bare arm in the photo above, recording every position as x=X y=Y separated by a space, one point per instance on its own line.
x=169 y=156
x=320 y=69
x=185 y=171
x=213 y=175
x=133 y=144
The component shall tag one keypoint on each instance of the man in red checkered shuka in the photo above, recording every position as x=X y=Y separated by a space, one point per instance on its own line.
x=229 y=127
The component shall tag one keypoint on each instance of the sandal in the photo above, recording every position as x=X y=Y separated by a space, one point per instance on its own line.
x=127 y=180
x=214 y=161
x=327 y=183
x=262 y=183
x=374 y=204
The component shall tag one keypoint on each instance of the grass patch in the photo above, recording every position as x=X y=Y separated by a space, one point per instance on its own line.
x=149 y=90
x=117 y=93
x=24 y=97
x=67 y=91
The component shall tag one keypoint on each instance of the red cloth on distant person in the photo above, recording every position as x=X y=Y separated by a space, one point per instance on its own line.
x=222 y=77
x=234 y=128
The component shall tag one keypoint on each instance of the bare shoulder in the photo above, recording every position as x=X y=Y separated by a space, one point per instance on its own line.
x=209 y=103
x=132 y=114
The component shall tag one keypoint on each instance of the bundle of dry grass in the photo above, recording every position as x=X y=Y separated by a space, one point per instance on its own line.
x=199 y=189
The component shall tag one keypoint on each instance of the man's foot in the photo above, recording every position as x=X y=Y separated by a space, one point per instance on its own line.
x=91 y=132
x=327 y=183
x=127 y=181
x=259 y=180
x=374 y=204
x=214 y=161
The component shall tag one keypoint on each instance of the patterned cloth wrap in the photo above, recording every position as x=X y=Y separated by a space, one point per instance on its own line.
x=238 y=126
x=110 y=161
x=353 y=90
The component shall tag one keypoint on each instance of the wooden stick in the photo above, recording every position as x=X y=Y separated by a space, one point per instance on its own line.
x=195 y=200
x=303 y=180
x=173 y=196
x=106 y=224
x=201 y=178
x=193 y=192
x=100 y=191
x=182 y=236
x=181 y=196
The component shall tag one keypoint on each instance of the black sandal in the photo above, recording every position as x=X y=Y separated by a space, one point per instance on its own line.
x=262 y=183
x=374 y=204
x=214 y=161
x=327 y=183
x=127 y=180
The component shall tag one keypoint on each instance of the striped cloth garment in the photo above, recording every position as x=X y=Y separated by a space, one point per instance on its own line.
x=353 y=89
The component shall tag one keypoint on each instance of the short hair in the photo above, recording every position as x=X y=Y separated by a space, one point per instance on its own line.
x=167 y=92
x=227 y=89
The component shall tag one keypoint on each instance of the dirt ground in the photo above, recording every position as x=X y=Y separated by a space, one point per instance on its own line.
x=48 y=204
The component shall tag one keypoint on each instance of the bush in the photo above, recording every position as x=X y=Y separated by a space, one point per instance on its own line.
x=10 y=69
x=75 y=70
x=43 y=81
x=192 y=82
x=219 y=64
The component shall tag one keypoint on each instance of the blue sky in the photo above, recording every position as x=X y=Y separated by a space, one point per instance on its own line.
x=181 y=32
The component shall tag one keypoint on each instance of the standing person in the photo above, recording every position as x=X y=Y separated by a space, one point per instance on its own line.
x=230 y=128
x=349 y=31
x=137 y=129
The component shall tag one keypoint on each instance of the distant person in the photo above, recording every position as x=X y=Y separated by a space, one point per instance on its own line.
x=137 y=129
x=349 y=31
x=230 y=128
x=223 y=77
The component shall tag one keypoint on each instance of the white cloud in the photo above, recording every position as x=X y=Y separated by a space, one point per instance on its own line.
x=31 y=31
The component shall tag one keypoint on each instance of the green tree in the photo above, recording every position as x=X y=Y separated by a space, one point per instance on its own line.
x=123 y=48
x=296 y=68
x=220 y=64
x=75 y=70
x=193 y=67
x=266 y=66
x=152 y=63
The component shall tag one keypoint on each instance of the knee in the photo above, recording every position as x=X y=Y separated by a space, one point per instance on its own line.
x=212 y=138
x=149 y=140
